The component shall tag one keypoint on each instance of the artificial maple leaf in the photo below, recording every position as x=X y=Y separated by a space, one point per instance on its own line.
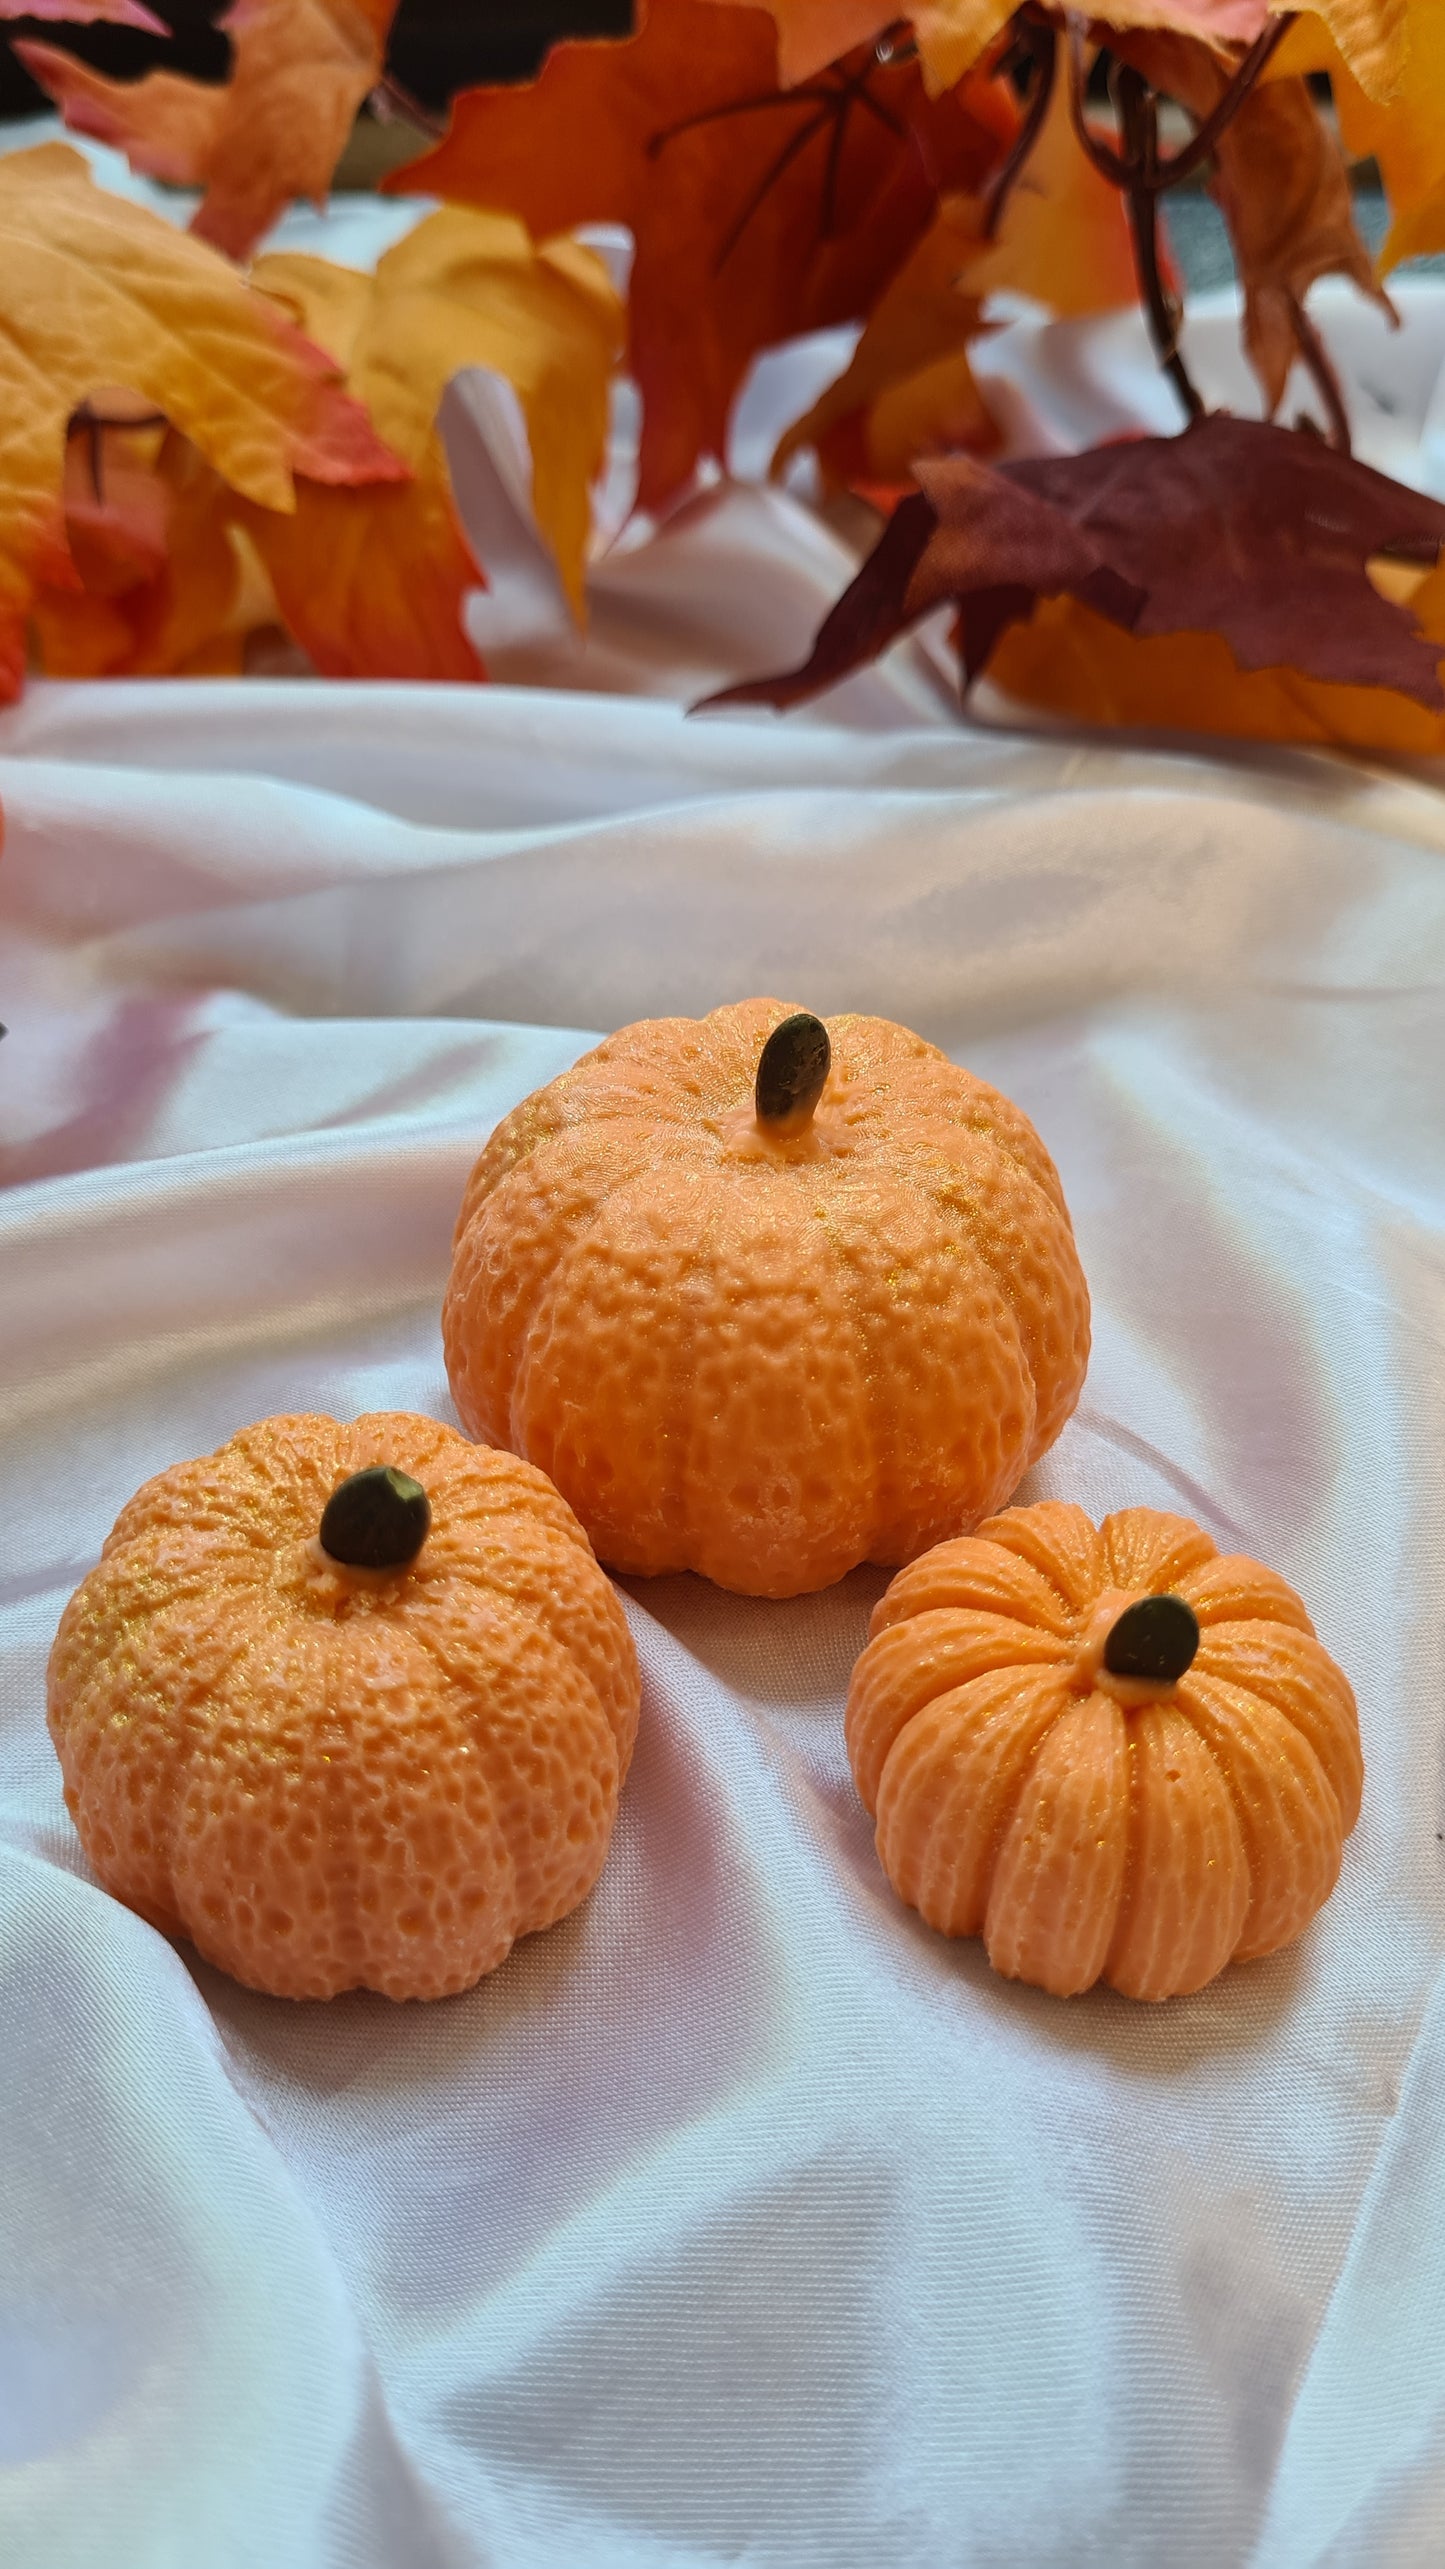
x=1283 y=187
x=275 y=130
x=1067 y=660
x=96 y=291
x=1404 y=133
x=1374 y=38
x=909 y=388
x=1063 y=239
x=372 y=582
x=116 y=13
x=954 y=35
x=757 y=214
x=1236 y=528
x=145 y=517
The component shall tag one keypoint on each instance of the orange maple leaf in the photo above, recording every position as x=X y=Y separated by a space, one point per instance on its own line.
x=95 y=291
x=145 y=517
x=1062 y=239
x=757 y=214
x=275 y=130
x=1404 y=132
x=909 y=388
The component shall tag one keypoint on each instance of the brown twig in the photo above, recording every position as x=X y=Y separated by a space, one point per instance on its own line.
x=91 y=424
x=1197 y=150
x=1143 y=173
x=1139 y=122
x=1039 y=45
x=1168 y=172
x=1326 y=382
x=1107 y=163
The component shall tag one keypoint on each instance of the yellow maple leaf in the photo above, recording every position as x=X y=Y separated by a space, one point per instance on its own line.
x=1403 y=131
x=273 y=131
x=1064 y=235
x=1373 y=36
x=371 y=582
x=953 y=34
x=95 y=291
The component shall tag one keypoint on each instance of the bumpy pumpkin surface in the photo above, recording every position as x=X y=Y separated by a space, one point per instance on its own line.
x=1088 y=1821
x=331 y=1775
x=759 y=1331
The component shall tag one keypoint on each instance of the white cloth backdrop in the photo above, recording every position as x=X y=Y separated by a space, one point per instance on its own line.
x=738 y=2219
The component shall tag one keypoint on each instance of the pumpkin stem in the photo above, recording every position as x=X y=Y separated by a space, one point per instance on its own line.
x=378 y=1520
x=792 y=1074
x=1155 y=1638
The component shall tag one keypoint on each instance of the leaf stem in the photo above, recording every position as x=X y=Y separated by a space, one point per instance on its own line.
x=1107 y=163
x=91 y=424
x=808 y=93
x=833 y=96
x=1143 y=173
x=1326 y=382
x=1139 y=120
x=1195 y=152
x=1040 y=45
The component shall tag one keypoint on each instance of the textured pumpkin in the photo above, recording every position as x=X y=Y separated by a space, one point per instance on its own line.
x=348 y=1706
x=765 y=1298
x=1113 y=1755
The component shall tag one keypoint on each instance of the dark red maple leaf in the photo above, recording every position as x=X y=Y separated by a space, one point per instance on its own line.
x=1236 y=527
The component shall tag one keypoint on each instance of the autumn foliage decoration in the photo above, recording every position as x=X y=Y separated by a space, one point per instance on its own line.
x=758 y=212
x=243 y=447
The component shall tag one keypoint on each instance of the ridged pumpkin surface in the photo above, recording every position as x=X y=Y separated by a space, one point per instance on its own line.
x=1089 y=1826
x=767 y=1358
x=330 y=1778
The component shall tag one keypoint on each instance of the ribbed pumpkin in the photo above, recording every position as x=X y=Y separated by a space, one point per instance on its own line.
x=347 y=1706
x=767 y=1297
x=1113 y=1754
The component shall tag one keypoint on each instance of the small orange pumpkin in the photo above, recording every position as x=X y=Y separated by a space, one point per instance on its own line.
x=347 y=1706
x=1111 y=1754
x=766 y=1297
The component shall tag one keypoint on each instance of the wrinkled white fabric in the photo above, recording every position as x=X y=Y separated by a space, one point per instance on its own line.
x=739 y=2219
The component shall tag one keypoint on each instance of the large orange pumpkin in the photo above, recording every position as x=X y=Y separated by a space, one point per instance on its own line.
x=1111 y=1754
x=767 y=1298
x=348 y=1706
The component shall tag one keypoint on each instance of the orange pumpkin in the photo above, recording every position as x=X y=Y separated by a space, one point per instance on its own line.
x=348 y=1706
x=766 y=1297
x=1111 y=1754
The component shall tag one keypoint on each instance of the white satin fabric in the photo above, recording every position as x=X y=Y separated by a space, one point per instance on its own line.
x=739 y=2219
